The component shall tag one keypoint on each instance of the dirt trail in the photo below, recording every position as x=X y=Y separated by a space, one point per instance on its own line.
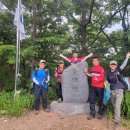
x=52 y=121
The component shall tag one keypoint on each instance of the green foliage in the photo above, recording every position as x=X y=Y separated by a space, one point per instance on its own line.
x=51 y=94
x=57 y=32
x=8 y=52
x=6 y=77
x=22 y=104
x=126 y=105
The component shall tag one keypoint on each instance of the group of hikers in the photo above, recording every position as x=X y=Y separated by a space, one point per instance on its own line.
x=41 y=78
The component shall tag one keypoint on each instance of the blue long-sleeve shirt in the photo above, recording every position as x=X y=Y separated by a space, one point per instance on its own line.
x=40 y=77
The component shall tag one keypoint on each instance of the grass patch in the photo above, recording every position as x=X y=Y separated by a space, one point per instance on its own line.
x=125 y=122
x=22 y=104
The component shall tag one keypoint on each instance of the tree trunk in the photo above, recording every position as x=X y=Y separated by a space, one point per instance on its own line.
x=125 y=26
x=83 y=26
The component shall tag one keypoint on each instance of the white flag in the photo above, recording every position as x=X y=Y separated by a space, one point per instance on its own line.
x=19 y=12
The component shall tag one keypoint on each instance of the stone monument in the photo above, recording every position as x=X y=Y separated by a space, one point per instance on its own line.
x=75 y=91
x=75 y=84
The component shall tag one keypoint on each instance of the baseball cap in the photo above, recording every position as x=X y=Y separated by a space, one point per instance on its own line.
x=113 y=62
x=42 y=61
x=61 y=62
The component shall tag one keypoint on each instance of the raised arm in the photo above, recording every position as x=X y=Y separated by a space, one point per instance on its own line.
x=66 y=58
x=125 y=61
x=86 y=57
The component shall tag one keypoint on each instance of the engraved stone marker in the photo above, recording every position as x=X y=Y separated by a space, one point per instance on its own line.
x=75 y=84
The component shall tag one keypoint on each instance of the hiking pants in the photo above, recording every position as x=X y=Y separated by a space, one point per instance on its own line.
x=117 y=97
x=59 y=90
x=94 y=94
x=42 y=93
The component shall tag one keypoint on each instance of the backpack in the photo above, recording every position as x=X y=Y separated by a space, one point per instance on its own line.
x=120 y=78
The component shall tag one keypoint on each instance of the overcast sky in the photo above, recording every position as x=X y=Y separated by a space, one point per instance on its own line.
x=109 y=30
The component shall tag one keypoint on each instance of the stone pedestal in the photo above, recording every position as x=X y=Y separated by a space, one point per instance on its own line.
x=66 y=109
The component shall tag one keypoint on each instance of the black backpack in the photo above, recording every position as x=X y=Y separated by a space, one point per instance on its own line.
x=121 y=79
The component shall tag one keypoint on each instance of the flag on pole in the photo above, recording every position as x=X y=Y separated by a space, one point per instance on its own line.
x=19 y=13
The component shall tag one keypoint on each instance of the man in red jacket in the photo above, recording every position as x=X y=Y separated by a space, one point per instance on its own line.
x=97 y=88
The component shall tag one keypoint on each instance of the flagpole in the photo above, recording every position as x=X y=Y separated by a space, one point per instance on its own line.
x=17 y=51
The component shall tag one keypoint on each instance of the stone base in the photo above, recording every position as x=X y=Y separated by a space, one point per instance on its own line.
x=66 y=109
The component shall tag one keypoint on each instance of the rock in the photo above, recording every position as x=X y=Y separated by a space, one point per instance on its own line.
x=75 y=84
x=66 y=109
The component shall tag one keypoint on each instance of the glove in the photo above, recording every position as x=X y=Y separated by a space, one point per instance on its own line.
x=40 y=85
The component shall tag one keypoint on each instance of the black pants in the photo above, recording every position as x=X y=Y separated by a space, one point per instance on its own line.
x=59 y=90
x=94 y=94
x=42 y=93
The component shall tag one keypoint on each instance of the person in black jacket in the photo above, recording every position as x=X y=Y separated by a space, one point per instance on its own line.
x=113 y=77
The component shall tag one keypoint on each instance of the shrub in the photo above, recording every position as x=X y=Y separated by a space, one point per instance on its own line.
x=51 y=94
x=8 y=107
x=126 y=105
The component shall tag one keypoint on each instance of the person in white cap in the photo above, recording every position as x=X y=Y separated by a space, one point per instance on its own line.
x=116 y=86
x=58 y=74
x=41 y=79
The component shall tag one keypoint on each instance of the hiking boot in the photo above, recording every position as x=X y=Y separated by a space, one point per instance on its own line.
x=47 y=110
x=36 y=112
x=100 y=117
x=116 y=126
x=90 y=117
x=116 y=123
x=59 y=100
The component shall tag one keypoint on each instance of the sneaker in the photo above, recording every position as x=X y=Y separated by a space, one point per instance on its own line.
x=90 y=117
x=36 y=112
x=99 y=117
x=47 y=110
x=59 y=100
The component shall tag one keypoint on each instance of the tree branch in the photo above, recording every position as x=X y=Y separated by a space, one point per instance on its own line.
x=70 y=13
x=103 y=27
x=110 y=41
x=91 y=11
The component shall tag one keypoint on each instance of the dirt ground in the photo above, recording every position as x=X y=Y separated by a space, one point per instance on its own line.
x=53 y=121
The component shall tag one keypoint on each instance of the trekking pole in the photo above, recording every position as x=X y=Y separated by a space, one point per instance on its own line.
x=107 y=117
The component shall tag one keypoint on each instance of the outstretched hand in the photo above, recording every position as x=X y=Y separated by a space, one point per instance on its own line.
x=61 y=54
x=128 y=54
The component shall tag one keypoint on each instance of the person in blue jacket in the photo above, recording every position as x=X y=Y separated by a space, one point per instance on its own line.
x=40 y=78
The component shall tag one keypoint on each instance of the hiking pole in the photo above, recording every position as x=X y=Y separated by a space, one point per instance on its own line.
x=40 y=86
x=107 y=117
